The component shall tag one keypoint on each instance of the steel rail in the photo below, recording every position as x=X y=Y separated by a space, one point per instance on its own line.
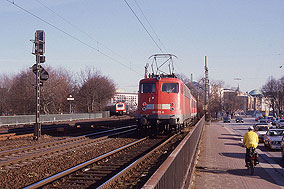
x=7 y=152
x=122 y=173
x=80 y=166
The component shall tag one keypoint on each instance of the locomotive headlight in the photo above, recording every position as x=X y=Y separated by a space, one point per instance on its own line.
x=172 y=109
x=144 y=104
x=144 y=108
x=172 y=104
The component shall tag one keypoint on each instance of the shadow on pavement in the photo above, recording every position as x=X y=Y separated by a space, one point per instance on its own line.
x=233 y=144
x=210 y=170
x=276 y=160
x=258 y=172
x=232 y=135
x=229 y=138
x=234 y=155
x=241 y=129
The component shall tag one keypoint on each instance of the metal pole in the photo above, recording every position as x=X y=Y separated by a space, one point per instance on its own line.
x=37 y=128
x=206 y=90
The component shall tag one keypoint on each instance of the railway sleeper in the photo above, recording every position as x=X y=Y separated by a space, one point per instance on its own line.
x=85 y=177
x=100 y=172
x=92 y=175
x=107 y=167
x=80 y=182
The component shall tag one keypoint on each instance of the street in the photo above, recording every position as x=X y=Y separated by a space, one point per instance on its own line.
x=268 y=158
x=221 y=164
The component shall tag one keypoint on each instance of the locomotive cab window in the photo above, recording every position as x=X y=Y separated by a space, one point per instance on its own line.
x=170 y=87
x=147 y=88
x=120 y=105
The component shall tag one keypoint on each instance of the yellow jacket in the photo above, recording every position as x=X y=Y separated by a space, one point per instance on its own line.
x=250 y=139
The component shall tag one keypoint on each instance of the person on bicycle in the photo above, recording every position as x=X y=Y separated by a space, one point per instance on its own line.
x=250 y=140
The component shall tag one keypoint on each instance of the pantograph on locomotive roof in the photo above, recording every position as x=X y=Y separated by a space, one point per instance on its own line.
x=161 y=66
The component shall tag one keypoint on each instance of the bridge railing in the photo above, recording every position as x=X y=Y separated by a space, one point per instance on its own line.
x=30 y=119
x=177 y=170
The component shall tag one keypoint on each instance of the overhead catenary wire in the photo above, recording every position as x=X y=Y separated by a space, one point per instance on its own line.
x=143 y=26
x=79 y=29
x=71 y=36
x=150 y=25
x=146 y=28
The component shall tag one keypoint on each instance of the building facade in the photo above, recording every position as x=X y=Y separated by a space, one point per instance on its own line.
x=130 y=99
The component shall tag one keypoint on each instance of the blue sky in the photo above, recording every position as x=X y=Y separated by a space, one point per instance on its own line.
x=241 y=38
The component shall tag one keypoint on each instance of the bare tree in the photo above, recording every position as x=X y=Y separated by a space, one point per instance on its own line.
x=215 y=100
x=94 y=91
x=273 y=90
x=281 y=95
x=5 y=85
x=21 y=95
x=55 y=91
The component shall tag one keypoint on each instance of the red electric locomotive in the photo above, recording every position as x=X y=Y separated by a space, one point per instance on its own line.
x=164 y=103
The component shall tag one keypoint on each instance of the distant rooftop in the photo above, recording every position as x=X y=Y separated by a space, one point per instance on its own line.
x=255 y=92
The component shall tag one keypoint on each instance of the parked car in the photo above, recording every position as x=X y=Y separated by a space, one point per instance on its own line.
x=280 y=123
x=239 y=120
x=273 y=138
x=258 y=118
x=263 y=120
x=261 y=129
x=226 y=120
x=273 y=121
x=282 y=147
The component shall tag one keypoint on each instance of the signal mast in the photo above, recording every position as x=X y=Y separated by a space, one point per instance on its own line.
x=41 y=75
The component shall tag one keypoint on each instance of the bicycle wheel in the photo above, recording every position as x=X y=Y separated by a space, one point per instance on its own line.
x=251 y=169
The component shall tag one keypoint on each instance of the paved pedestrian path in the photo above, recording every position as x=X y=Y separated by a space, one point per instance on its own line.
x=221 y=163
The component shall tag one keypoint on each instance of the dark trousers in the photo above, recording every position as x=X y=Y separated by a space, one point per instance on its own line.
x=247 y=155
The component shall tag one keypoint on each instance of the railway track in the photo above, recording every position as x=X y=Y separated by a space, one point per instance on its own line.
x=82 y=127
x=13 y=136
x=24 y=155
x=113 y=168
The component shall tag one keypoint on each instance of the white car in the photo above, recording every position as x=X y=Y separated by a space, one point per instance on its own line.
x=261 y=129
x=273 y=138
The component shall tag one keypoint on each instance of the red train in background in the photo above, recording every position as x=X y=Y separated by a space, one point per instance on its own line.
x=165 y=103
x=120 y=108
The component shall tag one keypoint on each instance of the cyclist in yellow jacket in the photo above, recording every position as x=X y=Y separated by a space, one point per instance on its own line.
x=250 y=141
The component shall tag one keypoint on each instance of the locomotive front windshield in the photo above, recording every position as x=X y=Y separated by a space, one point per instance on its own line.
x=170 y=87
x=120 y=105
x=148 y=88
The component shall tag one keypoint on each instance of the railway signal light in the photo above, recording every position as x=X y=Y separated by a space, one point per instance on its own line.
x=43 y=73
x=39 y=42
x=40 y=59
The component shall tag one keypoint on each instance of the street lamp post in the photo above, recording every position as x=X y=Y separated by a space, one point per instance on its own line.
x=70 y=99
